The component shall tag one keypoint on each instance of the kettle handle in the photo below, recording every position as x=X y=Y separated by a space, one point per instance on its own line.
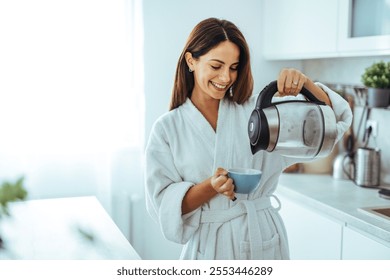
x=265 y=97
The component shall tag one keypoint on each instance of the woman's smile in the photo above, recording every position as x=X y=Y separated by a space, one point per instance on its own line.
x=218 y=86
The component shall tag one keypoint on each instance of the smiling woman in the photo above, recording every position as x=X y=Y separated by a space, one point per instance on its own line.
x=191 y=148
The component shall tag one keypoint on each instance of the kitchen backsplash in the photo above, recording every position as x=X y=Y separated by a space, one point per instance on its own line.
x=344 y=74
x=347 y=70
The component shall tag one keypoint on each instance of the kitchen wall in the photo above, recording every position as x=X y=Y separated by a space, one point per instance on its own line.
x=340 y=70
x=348 y=71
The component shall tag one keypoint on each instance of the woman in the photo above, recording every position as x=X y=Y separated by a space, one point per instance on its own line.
x=205 y=133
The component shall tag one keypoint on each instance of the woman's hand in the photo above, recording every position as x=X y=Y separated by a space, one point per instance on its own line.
x=290 y=81
x=206 y=190
x=222 y=184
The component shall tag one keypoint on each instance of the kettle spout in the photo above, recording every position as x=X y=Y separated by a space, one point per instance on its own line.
x=255 y=148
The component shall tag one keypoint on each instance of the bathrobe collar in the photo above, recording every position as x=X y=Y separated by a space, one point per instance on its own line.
x=219 y=141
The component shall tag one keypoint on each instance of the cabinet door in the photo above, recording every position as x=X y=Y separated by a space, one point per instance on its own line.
x=311 y=235
x=300 y=28
x=357 y=246
x=364 y=27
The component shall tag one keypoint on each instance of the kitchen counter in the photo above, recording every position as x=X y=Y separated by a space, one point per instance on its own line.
x=339 y=199
x=62 y=229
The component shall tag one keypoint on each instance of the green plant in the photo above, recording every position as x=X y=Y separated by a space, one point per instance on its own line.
x=11 y=192
x=377 y=75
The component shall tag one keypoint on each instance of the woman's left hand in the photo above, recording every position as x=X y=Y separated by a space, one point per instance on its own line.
x=290 y=81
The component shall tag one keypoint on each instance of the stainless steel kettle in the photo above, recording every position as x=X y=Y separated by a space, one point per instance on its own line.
x=295 y=128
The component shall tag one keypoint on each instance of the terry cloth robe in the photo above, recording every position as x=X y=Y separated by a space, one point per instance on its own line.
x=184 y=150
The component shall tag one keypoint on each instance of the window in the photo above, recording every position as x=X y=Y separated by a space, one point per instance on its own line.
x=70 y=75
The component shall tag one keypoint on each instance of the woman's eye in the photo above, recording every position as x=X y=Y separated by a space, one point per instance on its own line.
x=234 y=68
x=215 y=67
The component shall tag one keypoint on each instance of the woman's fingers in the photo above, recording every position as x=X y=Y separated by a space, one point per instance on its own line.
x=226 y=186
x=222 y=183
x=290 y=81
x=219 y=181
x=227 y=189
x=220 y=171
x=280 y=82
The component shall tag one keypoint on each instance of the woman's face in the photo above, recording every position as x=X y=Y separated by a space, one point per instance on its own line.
x=215 y=71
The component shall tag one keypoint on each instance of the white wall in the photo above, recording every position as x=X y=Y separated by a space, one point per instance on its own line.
x=346 y=70
x=167 y=25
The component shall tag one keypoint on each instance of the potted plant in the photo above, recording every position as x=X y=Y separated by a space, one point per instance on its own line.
x=377 y=79
x=9 y=192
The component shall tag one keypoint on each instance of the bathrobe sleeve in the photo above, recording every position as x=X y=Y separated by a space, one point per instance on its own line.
x=165 y=189
x=341 y=109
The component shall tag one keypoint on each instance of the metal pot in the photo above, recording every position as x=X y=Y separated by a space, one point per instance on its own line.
x=367 y=167
x=295 y=128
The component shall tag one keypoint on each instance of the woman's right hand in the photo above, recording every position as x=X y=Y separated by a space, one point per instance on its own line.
x=222 y=183
x=202 y=192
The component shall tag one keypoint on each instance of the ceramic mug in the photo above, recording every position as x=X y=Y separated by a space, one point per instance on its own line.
x=245 y=180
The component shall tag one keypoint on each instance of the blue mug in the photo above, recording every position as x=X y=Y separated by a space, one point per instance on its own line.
x=245 y=180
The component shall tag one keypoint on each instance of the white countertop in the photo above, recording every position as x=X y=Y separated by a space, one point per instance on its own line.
x=62 y=229
x=339 y=199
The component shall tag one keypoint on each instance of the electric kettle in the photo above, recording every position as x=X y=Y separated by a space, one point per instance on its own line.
x=295 y=128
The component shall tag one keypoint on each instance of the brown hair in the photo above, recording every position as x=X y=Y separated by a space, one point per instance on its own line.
x=205 y=36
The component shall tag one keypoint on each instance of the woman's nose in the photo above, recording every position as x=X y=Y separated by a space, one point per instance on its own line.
x=225 y=75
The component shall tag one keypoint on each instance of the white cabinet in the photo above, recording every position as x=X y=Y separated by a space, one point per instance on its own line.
x=303 y=29
x=364 y=27
x=311 y=235
x=358 y=246
x=300 y=29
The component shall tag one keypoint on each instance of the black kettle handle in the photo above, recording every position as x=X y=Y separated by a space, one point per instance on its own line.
x=265 y=97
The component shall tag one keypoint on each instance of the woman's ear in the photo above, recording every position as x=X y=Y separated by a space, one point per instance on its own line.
x=190 y=61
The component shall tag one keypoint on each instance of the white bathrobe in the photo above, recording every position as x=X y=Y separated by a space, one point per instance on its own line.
x=184 y=150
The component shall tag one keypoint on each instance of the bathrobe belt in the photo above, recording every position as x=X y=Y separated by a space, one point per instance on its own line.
x=249 y=207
